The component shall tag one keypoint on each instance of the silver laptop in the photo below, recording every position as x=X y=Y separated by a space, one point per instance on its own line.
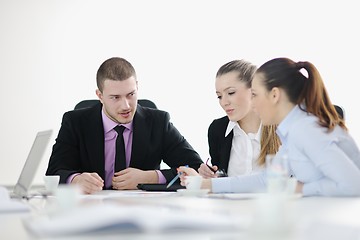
x=31 y=165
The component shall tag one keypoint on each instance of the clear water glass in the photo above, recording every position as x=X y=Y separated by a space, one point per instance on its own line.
x=277 y=172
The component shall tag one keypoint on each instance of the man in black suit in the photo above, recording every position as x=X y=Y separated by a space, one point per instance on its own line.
x=84 y=152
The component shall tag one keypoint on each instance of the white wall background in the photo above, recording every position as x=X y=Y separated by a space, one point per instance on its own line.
x=50 y=51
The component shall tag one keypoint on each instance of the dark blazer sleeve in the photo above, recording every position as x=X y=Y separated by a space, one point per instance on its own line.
x=156 y=139
x=79 y=146
x=219 y=145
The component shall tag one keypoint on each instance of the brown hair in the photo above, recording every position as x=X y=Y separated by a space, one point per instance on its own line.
x=116 y=69
x=301 y=90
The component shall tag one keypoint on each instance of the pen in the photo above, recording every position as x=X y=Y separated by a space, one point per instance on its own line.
x=209 y=166
x=174 y=179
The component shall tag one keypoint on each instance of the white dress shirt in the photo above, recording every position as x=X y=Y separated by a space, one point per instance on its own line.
x=245 y=150
x=328 y=163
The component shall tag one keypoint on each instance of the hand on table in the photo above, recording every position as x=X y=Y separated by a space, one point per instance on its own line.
x=129 y=178
x=88 y=182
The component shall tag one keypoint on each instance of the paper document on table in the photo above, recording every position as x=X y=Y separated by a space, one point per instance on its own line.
x=10 y=205
x=246 y=196
x=109 y=194
x=112 y=217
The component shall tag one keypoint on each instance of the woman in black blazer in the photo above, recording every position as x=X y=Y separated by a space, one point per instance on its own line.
x=253 y=142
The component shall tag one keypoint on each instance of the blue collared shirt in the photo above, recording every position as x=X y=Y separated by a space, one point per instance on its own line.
x=328 y=163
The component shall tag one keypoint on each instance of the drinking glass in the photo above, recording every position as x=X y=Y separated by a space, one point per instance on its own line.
x=277 y=172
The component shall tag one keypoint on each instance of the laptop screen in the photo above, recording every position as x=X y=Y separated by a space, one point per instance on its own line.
x=32 y=163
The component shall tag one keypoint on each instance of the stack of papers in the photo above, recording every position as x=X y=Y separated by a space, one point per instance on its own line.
x=112 y=217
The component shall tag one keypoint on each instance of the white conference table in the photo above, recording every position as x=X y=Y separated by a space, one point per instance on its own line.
x=297 y=218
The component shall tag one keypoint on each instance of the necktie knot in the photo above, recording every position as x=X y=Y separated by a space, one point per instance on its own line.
x=119 y=129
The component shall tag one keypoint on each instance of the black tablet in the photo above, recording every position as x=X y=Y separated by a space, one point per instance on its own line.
x=157 y=187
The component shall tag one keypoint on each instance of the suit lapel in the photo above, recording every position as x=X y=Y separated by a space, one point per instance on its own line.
x=225 y=150
x=141 y=136
x=94 y=137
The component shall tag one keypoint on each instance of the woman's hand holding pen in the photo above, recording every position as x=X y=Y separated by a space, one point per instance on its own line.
x=207 y=171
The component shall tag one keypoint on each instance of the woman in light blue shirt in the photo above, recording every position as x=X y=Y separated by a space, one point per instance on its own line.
x=323 y=157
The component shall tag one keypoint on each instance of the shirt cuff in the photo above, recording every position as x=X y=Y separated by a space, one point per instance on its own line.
x=69 y=180
x=162 y=179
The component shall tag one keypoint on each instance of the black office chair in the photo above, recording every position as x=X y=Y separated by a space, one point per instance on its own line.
x=340 y=111
x=92 y=102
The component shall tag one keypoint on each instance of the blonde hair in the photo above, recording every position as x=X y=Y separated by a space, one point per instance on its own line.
x=269 y=143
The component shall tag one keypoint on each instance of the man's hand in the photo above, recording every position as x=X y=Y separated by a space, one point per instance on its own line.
x=129 y=178
x=88 y=182
x=205 y=171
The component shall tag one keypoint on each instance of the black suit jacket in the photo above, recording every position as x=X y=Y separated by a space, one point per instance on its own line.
x=79 y=146
x=219 y=145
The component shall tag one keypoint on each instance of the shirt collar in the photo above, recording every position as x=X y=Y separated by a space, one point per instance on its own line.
x=110 y=124
x=285 y=125
x=258 y=134
x=231 y=125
